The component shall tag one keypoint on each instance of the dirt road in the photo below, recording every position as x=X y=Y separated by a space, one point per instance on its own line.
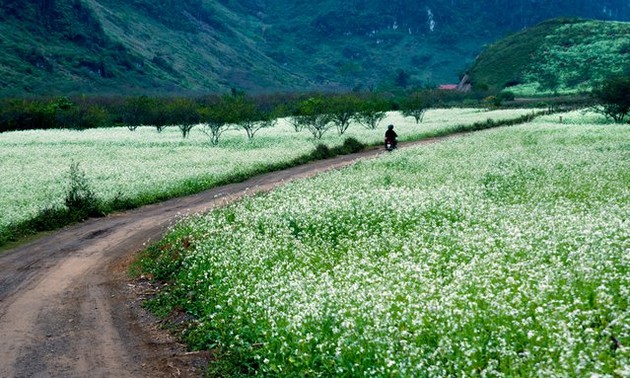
x=68 y=308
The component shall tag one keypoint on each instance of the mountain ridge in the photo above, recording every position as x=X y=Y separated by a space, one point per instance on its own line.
x=56 y=47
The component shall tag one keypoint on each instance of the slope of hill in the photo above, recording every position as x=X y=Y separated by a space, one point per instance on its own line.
x=557 y=56
x=108 y=47
x=140 y=46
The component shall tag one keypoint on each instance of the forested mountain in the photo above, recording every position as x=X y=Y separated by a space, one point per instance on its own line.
x=137 y=46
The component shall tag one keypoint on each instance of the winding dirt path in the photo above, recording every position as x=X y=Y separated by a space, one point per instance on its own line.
x=69 y=309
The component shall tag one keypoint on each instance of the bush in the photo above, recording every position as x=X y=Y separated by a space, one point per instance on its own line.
x=506 y=96
x=350 y=145
x=321 y=152
x=80 y=199
x=80 y=203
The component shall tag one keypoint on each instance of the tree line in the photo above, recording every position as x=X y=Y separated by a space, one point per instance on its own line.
x=315 y=112
x=318 y=113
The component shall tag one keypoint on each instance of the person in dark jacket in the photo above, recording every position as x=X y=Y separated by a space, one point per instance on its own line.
x=390 y=136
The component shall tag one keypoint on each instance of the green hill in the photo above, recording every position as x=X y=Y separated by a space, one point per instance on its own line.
x=145 y=46
x=107 y=46
x=556 y=56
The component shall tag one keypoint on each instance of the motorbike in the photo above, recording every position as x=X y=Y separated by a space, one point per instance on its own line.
x=390 y=144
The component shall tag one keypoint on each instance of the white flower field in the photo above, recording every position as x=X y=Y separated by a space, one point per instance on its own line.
x=504 y=253
x=147 y=165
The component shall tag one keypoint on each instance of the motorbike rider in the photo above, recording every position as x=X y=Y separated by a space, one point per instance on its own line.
x=390 y=135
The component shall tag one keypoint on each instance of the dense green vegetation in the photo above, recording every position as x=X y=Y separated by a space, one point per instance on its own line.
x=613 y=96
x=66 y=47
x=234 y=108
x=557 y=56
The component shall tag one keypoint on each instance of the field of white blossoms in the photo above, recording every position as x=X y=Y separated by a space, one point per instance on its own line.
x=144 y=166
x=505 y=253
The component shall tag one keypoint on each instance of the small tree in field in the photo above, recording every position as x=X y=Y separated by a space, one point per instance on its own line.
x=613 y=96
x=416 y=105
x=216 y=119
x=315 y=117
x=342 y=110
x=248 y=115
x=147 y=111
x=184 y=113
x=293 y=113
x=80 y=198
x=136 y=111
x=371 y=112
x=298 y=122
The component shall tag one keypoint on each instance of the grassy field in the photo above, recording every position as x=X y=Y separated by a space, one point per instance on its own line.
x=145 y=166
x=502 y=253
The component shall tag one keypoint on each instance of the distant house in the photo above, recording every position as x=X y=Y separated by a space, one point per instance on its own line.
x=448 y=87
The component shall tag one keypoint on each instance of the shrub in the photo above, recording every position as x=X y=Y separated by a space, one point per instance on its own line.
x=321 y=152
x=80 y=198
x=350 y=145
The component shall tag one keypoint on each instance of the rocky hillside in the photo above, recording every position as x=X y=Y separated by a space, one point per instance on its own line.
x=143 y=46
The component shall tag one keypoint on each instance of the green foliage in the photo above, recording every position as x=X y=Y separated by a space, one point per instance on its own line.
x=164 y=259
x=314 y=115
x=321 y=152
x=184 y=113
x=80 y=198
x=349 y=146
x=216 y=118
x=342 y=109
x=556 y=56
x=402 y=78
x=245 y=112
x=316 y=112
x=505 y=96
x=55 y=113
x=613 y=96
x=135 y=47
x=371 y=112
x=417 y=103
x=137 y=111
